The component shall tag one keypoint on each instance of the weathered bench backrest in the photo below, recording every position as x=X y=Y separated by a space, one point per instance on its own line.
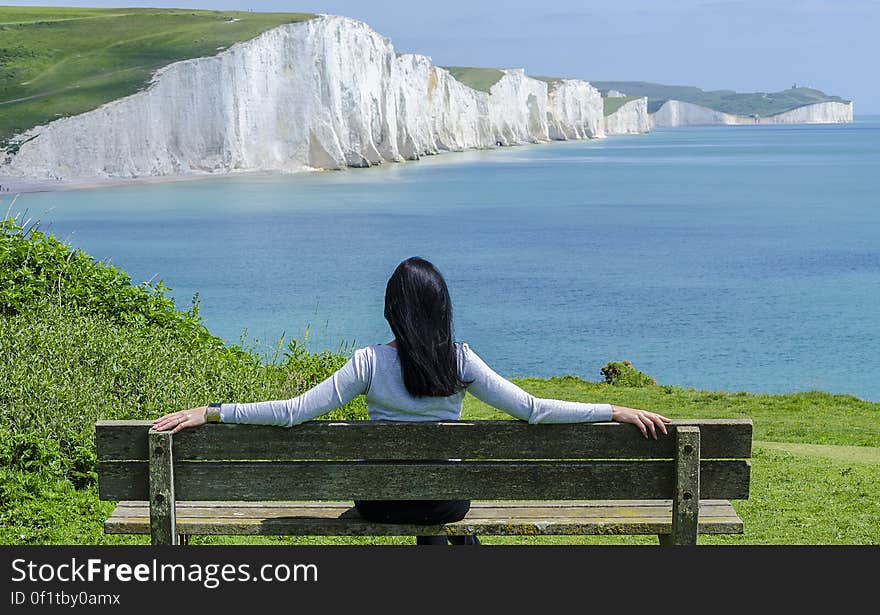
x=491 y=460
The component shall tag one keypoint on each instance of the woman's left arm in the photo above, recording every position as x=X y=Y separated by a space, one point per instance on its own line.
x=351 y=380
x=493 y=389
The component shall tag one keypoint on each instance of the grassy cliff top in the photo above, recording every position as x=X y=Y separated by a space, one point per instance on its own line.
x=481 y=79
x=552 y=81
x=610 y=105
x=56 y=61
x=727 y=101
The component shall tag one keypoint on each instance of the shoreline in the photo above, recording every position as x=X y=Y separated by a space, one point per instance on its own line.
x=19 y=185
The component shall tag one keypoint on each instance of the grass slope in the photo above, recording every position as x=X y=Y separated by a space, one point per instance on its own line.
x=610 y=105
x=481 y=79
x=56 y=62
x=727 y=101
x=80 y=342
x=860 y=454
x=551 y=81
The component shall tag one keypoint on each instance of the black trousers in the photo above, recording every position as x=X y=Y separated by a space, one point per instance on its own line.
x=419 y=512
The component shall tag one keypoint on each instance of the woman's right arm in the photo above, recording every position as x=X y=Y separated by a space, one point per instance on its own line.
x=351 y=380
x=495 y=390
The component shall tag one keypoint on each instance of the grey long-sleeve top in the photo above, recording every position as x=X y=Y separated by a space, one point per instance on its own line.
x=374 y=371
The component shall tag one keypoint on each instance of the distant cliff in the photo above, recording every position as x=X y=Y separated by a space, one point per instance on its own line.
x=630 y=117
x=329 y=93
x=745 y=104
x=678 y=113
x=574 y=110
x=320 y=94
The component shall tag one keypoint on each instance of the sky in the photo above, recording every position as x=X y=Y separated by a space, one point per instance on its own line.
x=744 y=45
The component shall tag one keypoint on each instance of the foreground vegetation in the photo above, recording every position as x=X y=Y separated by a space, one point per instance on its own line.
x=79 y=342
x=56 y=62
x=727 y=101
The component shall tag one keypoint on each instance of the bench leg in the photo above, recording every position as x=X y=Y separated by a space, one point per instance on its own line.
x=183 y=539
x=163 y=521
x=686 y=501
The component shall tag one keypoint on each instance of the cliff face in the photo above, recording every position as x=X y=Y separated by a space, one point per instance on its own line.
x=819 y=113
x=677 y=113
x=631 y=118
x=574 y=110
x=325 y=93
x=518 y=109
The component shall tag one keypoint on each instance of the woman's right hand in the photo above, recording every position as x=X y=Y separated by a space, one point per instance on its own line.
x=175 y=421
x=644 y=420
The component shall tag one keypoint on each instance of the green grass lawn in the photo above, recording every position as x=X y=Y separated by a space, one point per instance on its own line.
x=56 y=62
x=481 y=79
x=610 y=105
x=858 y=454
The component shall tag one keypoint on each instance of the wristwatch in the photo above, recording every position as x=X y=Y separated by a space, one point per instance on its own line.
x=213 y=414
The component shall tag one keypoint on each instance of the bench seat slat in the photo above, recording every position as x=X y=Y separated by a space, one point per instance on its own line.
x=496 y=504
x=720 y=438
x=537 y=480
x=490 y=518
x=496 y=512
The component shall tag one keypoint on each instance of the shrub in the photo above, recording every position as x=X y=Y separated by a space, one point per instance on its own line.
x=623 y=374
x=36 y=269
x=79 y=343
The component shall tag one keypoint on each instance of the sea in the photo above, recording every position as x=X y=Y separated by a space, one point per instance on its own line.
x=742 y=258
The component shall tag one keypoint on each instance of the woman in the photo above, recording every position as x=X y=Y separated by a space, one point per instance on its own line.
x=422 y=375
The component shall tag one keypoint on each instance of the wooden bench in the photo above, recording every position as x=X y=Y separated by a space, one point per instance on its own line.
x=575 y=479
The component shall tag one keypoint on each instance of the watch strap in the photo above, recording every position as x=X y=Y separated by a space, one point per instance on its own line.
x=213 y=414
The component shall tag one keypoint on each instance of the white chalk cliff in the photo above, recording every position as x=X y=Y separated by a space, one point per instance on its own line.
x=675 y=113
x=819 y=113
x=325 y=93
x=630 y=118
x=574 y=110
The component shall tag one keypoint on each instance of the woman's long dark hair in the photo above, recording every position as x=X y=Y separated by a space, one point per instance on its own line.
x=419 y=311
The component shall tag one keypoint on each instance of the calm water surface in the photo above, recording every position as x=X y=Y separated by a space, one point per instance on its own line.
x=735 y=258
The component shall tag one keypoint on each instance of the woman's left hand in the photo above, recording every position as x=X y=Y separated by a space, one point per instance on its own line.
x=176 y=421
x=647 y=422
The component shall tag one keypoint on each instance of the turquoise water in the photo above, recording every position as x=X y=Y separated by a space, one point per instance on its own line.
x=734 y=258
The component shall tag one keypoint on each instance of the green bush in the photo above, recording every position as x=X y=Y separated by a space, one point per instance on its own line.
x=37 y=270
x=623 y=374
x=79 y=343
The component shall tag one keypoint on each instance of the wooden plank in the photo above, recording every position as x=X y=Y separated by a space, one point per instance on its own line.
x=513 y=527
x=685 y=504
x=196 y=512
x=495 y=480
x=126 y=440
x=161 y=486
x=340 y=519
x=221 y=504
